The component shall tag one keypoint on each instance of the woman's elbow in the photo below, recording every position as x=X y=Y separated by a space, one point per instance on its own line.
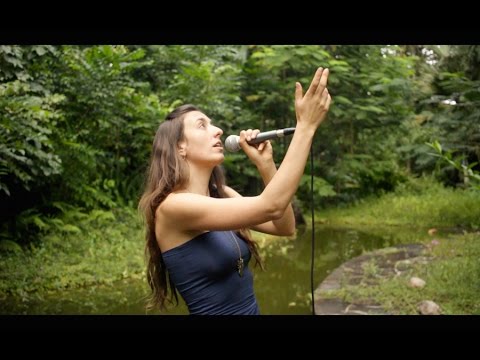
x=292 y=232
x=273 y=212
x=289 y=232
x=285 y=232
x=286 y=229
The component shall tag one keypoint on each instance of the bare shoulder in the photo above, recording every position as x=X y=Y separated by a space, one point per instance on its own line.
x=173 y=207
x=169 y=229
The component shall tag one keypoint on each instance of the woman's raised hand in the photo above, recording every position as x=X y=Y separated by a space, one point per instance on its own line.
x=311 y=108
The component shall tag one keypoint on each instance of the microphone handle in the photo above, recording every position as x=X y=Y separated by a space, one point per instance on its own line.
x=261 y=137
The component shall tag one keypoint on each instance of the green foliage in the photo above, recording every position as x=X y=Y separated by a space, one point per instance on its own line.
x=26 y=148
x=9 y=246
x=361 y=174
x=74 y=122
x=321 y=189
x=471 y=178
x=15 y=60
x=111 y=116
x=77 y=249
x=453 y=105
x=416 y=202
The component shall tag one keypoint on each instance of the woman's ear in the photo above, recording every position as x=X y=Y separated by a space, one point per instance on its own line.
x=182 y=149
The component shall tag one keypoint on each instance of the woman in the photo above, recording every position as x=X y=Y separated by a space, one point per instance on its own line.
x=191 y=214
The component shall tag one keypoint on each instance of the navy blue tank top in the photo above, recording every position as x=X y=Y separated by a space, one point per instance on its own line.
x=204 y=271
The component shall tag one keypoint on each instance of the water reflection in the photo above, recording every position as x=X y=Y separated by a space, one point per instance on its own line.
x=284 y=288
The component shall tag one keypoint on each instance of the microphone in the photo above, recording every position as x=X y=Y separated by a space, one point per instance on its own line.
x=232 y=142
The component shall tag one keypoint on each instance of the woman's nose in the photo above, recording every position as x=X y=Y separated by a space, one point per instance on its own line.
x=218 y=131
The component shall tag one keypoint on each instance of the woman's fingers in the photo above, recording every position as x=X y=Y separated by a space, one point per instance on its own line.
x=315 y=82
x=324 y=97
x=251 y=134
x=263 y=145
x=298 y=92
x=329 y=100
x=323 y=82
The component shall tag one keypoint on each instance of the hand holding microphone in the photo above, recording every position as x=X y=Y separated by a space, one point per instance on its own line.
x=232 y=143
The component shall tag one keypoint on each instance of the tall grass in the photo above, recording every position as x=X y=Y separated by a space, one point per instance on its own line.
x=418 y=202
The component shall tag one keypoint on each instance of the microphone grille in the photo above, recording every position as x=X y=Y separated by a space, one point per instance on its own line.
x=231 y=143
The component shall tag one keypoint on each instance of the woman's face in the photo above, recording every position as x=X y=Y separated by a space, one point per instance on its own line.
x=203 y=144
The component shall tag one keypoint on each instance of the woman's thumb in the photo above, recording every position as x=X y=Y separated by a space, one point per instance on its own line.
x=298 y=91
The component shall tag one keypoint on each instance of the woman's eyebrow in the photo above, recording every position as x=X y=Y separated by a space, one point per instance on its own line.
x=204 y=119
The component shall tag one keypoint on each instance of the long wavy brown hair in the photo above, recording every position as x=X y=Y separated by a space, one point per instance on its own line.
x=168 y=172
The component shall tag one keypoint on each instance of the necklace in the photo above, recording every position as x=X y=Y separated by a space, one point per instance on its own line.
x=240 y=259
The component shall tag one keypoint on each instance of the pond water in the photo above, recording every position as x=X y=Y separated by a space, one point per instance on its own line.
x=283 y=288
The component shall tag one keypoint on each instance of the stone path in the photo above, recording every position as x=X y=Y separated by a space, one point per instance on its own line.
x=383 y=263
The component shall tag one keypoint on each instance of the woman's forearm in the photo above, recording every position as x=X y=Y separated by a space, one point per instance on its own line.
x=286 y=223
x=284 y=183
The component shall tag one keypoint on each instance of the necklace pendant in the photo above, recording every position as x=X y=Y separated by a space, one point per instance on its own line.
x=240 y=267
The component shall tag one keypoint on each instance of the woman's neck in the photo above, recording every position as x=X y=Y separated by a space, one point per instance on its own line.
x=199 y=179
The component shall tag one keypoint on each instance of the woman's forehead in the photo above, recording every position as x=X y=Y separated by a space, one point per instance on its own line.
x=192 y=117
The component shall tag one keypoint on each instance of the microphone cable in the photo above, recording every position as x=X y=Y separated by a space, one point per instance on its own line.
x=313 y=227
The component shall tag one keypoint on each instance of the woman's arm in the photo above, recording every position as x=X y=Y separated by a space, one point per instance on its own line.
x=262 y=156
x=311 y=110
x=284 y=226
